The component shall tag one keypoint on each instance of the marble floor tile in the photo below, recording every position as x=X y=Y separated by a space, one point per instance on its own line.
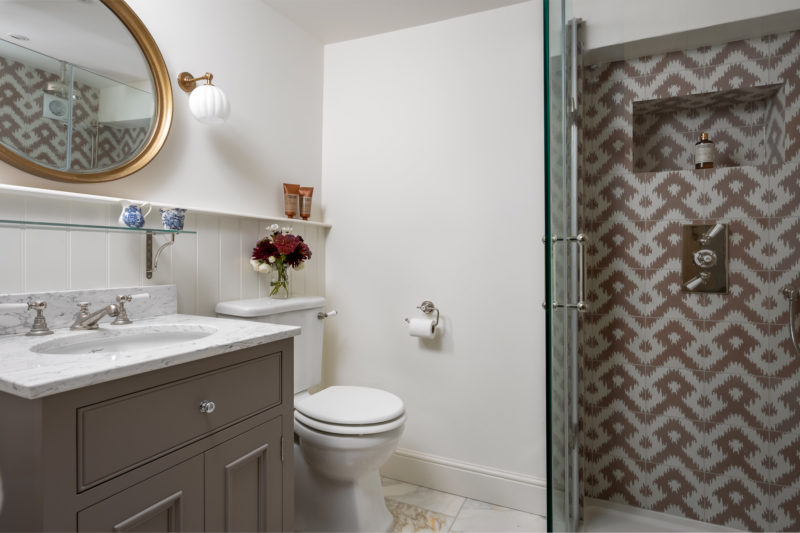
x=479 y=516
x=425 y=498
x=410 y=519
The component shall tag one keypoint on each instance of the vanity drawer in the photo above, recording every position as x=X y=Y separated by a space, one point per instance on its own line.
x=119 y=434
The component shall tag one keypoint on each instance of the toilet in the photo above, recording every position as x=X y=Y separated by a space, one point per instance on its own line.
x=342 y=434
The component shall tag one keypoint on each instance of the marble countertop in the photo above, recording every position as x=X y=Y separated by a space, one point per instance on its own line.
x=26 y=373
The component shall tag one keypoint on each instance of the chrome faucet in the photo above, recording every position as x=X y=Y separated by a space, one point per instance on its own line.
x=84 y=320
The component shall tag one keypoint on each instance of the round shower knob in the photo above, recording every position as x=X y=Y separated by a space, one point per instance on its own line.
x=705 y=258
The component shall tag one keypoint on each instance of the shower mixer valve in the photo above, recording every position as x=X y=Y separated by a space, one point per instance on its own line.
x=705 y=258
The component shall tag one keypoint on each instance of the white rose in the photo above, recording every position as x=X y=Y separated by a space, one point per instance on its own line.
x=273 y=228
x=255 y=264
x=264 y=267
x=286 y=230
x=271 y=259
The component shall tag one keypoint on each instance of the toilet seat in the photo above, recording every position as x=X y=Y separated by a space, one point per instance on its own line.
x=341 y=429
x=350 y=410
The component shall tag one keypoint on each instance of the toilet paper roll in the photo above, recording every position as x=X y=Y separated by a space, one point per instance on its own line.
x=421 y=327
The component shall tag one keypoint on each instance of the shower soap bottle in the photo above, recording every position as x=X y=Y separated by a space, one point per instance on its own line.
x=704 y=152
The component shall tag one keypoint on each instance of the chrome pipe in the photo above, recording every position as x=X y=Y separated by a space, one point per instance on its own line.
x=792 y=295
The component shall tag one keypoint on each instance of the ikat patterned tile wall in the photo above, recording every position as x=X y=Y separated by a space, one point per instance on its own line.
x=24 y=127
x=691 y=400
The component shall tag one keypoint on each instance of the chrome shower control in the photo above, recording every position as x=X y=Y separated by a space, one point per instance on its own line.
x=705 y=258
x=704 y=265
x=207 y=407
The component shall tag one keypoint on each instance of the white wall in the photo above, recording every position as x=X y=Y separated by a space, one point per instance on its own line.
x=272 y=73
x=433 y=181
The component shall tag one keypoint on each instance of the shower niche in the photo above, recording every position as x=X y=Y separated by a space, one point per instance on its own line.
x=746 y=125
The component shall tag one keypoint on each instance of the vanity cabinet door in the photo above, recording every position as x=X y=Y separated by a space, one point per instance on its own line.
x=244 y=481
x=169 y=501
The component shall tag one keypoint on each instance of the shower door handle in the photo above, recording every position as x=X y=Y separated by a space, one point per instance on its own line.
x=580 y=239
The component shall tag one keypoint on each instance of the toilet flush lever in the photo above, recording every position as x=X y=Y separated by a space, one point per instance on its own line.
x=323 y=316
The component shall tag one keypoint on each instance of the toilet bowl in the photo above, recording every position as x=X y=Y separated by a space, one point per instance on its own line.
x=343 y=434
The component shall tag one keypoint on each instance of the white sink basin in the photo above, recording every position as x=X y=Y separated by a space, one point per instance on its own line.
x=124 y=339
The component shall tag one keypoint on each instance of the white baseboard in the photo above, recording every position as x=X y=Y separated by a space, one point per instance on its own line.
x=499 y=487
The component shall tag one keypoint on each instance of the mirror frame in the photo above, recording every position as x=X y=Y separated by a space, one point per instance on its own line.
x=162 y=117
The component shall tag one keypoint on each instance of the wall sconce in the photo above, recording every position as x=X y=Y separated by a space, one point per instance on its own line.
x=207 y=103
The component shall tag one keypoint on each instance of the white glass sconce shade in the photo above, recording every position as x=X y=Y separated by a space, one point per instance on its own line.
x=209 y=104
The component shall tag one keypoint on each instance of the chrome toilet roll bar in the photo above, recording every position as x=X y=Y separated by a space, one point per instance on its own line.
x=427 y=307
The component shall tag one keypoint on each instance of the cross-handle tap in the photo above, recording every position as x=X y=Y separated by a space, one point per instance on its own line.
x=122 y=317
x=84 y=320
x=39 y=326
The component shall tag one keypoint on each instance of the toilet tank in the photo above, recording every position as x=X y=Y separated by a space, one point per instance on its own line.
x=301 y=311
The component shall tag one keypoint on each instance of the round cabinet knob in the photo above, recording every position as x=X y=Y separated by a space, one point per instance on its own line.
x=207 y=407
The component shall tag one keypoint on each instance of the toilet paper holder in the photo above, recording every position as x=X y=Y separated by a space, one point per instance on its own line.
x=427 y=307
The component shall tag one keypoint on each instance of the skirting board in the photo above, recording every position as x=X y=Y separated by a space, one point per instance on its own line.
x=507 y=489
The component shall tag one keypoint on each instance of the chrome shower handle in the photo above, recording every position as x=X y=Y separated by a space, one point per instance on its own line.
x=580 y=239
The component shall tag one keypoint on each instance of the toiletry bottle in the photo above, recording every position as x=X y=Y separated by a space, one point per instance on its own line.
x=704 y=152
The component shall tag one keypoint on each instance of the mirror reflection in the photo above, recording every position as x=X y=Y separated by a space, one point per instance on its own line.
x=78 y=93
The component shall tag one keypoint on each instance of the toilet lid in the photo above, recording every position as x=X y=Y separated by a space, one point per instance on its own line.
x=342 y=429
x=350 y=405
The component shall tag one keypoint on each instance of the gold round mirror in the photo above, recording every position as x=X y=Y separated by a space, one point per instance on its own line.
x=90 y=97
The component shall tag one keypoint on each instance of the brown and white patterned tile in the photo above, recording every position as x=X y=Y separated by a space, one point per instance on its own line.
x=786 y=451
x=786 y=360
x=622 y=386
x=618 y=290
x=669 y=84
x=618 y=432
x=740 y=192
x=739 y=503
x=740 y=51
x=785 y=504
x=785 y=398
x=677 y=491
x=678 y=195
x=740 y=348
x=620 y=339
x=619 y=242
x=678 y=393
x=784 y=43
x=678 y=343
x=740 y=452
x=738 y=400
x=620 y=195
x=621 y=480
x=780 y=306
x=786 y=243
x=748 y=299
x=677 y=442
x=666 y=244
x=669 y=300
x=727 y=76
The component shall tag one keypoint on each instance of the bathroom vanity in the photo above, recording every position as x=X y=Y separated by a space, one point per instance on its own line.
x=191 y=436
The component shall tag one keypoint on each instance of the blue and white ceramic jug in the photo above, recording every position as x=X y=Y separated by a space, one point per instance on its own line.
x=133 y=213
x=173 y=218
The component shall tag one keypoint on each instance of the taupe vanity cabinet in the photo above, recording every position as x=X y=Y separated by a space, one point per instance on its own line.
x=149 y=452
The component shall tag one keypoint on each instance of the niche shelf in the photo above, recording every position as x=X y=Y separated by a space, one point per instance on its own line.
x=746 y=125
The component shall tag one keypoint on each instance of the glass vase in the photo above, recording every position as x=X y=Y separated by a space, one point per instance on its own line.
x=279 y=282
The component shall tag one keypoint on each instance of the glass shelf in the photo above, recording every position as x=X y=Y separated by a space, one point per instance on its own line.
x=91 y=226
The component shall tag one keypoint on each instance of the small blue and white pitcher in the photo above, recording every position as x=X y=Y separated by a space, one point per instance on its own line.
x=133 y=213
x=173 y=218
